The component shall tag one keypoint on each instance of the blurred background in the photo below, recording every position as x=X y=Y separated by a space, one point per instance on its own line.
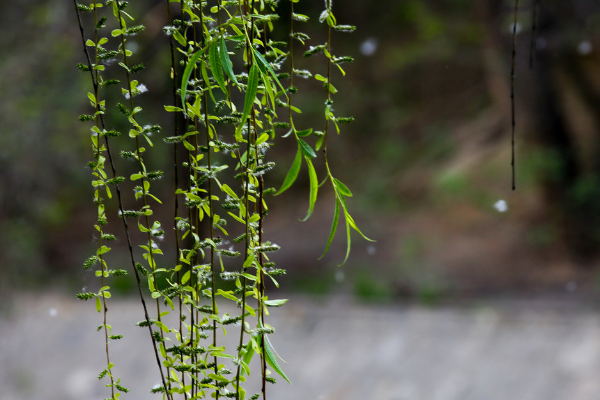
x=428 y=160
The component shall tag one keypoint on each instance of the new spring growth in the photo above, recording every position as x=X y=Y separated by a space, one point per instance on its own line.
x=224 y=122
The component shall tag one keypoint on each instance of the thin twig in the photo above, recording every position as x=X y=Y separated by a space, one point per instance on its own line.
x=512 y=93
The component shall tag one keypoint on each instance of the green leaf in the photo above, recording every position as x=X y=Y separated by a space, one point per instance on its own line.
x=187 y=73
x=314 y=187
x=179 y=37
x=355 y=227
x=216 y=66
x=251 y=91
x=334 y=224
x=188 y=145
x=265 y=66
x=305 y=132
x=249 y=260
x=229 y=191
x=275 y=303
x=185 y=277
x=271 y=360
x=102 y=250
x=248 y=356
x=348 y=237
x=228 y=295
x=292 y=173
x=173 y=109
x=226 y=61
x=306 y=149
x=343 y=189
x=262 y=138
x=98 y=304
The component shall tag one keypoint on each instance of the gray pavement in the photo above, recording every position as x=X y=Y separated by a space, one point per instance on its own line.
x=336 y=350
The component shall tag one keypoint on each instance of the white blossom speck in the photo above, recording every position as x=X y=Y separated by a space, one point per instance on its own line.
x=585 y=47
x=371 y=250
x=501 y=206
x=369 y=47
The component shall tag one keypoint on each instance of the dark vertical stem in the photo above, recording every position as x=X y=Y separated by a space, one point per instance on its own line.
x=144 y=195
x=101 y=258
x=328 y=84
x=120 y=202
x=174 y=78
x=534 y=18
x=206 y=85
x=196 y=213
x=512 y=93
x=247 y=240
x=291 y=61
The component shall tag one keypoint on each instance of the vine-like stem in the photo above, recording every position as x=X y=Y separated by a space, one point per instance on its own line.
x=211 y=218
x=291 y=62
x=151 y=261
x=103 y=266
x=206 y=60
x=174 y=78
x=534 y=22
x=95 y=82
x=328 y=85
x=248 y=238
x=512 y=93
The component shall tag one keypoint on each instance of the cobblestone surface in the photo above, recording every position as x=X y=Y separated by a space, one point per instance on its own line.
x=336 y=350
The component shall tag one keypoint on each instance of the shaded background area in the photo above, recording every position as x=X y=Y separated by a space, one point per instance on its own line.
x=427 y=158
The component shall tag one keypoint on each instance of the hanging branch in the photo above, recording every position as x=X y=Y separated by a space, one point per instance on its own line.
x=512 y=93
x=208 y=83
x=534 y=22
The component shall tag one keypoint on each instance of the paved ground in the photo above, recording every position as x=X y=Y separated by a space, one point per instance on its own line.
x=49 y=350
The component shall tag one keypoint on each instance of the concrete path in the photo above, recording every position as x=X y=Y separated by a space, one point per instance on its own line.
x=336 y=350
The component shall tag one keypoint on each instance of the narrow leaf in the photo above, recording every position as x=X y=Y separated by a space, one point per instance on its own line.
x=292 y=173
x=275 y=303
x=188 y=72
x=314 y=187
x=216 y=66
x=272 y=361
x=251 y=91
x=305 y=132
x=248 y=356
x=355 y=227
x=265 y=66
x=226 y=61
x=348 y=237
x=306 y=149
x=334 y=224
x=343 y=189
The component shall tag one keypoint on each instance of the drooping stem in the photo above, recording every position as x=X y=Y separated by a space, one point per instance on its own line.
x=326 y=134
x=512 y=93
x=145 y=202
x=211 y=217
x=534 y=22
x=174 y=79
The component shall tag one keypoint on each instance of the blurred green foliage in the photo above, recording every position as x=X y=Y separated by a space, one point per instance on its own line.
x=424 y=77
